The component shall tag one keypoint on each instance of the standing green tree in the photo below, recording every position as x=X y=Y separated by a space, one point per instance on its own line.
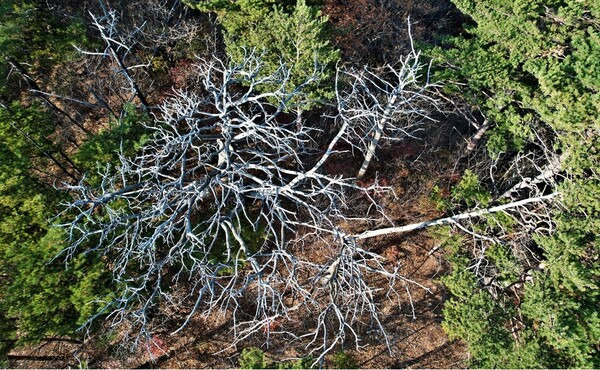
x=32 y=35
x=296 y=34
x=38 y=299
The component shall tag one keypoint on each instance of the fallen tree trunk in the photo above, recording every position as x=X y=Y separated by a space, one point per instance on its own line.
x=451 y=219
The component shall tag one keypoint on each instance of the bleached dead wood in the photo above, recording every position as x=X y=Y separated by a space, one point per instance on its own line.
x=230 y=160
x=389 y=104
x=223 y=163
x=118 y=47
x=453 y=219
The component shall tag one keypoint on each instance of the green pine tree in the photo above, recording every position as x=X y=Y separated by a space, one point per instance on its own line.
x=37 y=298
x=294 y=34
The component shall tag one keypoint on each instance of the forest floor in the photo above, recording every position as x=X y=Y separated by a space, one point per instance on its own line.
x=418 y=342
x=413 y=320
x=415 y=342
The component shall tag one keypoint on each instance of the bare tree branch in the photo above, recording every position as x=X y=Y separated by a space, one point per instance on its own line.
x=453 y=219
x=224 y=162
x=379 y=107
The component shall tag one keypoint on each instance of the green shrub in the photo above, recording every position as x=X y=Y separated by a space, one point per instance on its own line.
x=470 y=190
x=252 y=358
x=295 y=34
x=342 y=360
x=303 y=363
x=532 y=66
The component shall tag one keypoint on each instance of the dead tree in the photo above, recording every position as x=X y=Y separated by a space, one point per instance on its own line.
x=222 y=162
x=454 y=220
x=35 y=89
x=391 y=103
x=229 y=160
x=119 y=46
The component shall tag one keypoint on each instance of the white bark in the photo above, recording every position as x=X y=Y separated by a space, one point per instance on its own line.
x=118 y=47
x=478 y=136
x=223 y=162
x=452 y=219
x=379 y=128
x=547 y=174
x=220 y=164
x=390 y=104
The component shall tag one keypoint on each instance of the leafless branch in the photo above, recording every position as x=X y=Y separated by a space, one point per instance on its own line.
x=224 y=162
x=388 y=104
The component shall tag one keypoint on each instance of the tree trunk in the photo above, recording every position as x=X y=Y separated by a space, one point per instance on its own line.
x=375 y=141
x=45 y=153
x=478 y=135
x=451 y=219
x=35 y=89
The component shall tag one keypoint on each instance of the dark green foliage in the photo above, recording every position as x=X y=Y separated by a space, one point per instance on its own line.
x=527 y=61
x=505 y=262
x=342 y=360
x=295 y=34
x=534 y=66
x=25 y=130
x=559 y=331
x=38 y=298
x=126 y=136
x=563 y=303
x=472 y=314
x=252 y=358
x=303 y=363
x=221 y=6
x=470 y=191
x=30 y=33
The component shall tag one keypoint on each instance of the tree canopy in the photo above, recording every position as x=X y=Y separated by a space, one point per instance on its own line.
x=534 y=69
x=296 y=34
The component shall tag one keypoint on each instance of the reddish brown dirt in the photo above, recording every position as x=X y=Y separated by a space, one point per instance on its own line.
x=418 y=341
x=375 y=31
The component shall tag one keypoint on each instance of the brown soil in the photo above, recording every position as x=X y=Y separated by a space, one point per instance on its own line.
x=416 y=342
x=376 y=32
x=417 y=339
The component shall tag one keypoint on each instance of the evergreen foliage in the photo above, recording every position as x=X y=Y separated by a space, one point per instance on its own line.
x=30 y=34
x=38 y=298
x=252 y=358
x=527 y=61
x=24 y=131
x=531 y=66
x=470 y=191
x=126 y=137
x=342 y=360
x=297 y=34
x=534 y=66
